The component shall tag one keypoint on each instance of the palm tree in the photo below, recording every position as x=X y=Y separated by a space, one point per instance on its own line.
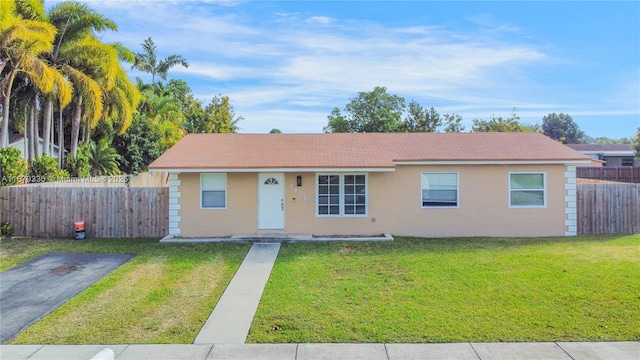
x=73 y=21
x=149 y=63
x=163 y=112
x=121 y=100
x=22 y=41
x=104 y=158
x=95 y=67
x=84 y=60
x=87 y=100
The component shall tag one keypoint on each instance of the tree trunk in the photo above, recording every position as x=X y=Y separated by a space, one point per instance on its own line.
x=52 y=137
x=75 y=126
x=25 y=134
x=32 y=134
x=47 y=114
x=36 y=130
x=60 y=140
x=87 y=132
x=6 y=100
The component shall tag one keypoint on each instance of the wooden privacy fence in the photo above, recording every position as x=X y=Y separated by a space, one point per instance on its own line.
x=626 y=174
x=143 y=211
x=608 y=208
x=106 y=211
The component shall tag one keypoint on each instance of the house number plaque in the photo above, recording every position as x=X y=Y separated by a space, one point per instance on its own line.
x=304 y=197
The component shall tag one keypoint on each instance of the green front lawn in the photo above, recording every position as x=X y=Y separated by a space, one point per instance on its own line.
x=409 y=290
x=452 y=290
x=163 y=295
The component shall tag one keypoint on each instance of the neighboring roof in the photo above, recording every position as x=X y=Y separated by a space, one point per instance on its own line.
x=15 y=138
x=617 y=149
x=359 y=150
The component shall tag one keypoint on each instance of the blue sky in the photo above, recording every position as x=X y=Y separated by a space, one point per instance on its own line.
x=286 y=64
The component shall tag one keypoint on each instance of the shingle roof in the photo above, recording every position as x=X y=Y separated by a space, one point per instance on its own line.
x=361 y=150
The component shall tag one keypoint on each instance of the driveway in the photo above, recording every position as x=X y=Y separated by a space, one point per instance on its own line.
x=35 y=288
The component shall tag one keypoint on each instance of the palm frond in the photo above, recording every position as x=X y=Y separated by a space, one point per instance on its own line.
x=90 y=92
x=7 y=11
x=76 y=20
x=31 y=35
x=124 y=53
x=122 y=101
x=63 y=90
x=104 y=158
x=31 y=9
x=166 y=64
x=39 y=73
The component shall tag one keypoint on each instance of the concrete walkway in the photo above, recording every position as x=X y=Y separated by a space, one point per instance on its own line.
x=273 y=238
x=460 y=351
x=231 y=319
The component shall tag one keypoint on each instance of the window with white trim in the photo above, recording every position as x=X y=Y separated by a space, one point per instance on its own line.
x=527 y=189
x=342 y=194
x=439 y=189
x=213 y=191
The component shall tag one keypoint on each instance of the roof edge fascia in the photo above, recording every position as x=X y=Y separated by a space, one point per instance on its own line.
x=271 y=170
x=495 y=162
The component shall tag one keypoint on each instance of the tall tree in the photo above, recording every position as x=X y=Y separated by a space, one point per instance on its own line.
x=607 y=140
x=420 y=119
x=453 y=123
x=337 y=123
x=500 y=124
x=22 y=41
x=75 y=23
x=148 y=61
x=218 y=117
x=165 y=113
x=92 y=67
x=561 y=127
x=372 y=111
x=139 y=146
x=122 y=98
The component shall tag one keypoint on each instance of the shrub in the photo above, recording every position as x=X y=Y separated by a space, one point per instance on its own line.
x=6 y=229
x=103 y=158
x=78 y=165
x=139 y=146
x=44 y=169
x=13 y=167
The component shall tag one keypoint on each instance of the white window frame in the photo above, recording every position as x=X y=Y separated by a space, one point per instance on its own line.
x=202 y=175
x=341 y=205
x=544 y=189
x=457 y=190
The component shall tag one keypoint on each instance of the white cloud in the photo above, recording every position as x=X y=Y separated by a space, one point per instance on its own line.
x=215 y=71
x=319 y=20
x=291 y=68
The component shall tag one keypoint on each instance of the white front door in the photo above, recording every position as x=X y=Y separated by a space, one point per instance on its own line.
x=270 y=201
